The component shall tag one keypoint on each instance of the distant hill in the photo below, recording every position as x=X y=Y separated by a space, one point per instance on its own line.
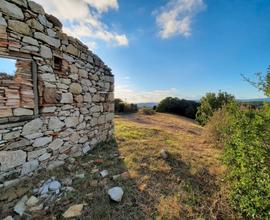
x=152 y=104
x=147 y=104
x=255 y=100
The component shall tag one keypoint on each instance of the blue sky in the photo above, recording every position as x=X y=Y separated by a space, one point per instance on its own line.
x=8 y=66
x=228 y=38
x=183 y=48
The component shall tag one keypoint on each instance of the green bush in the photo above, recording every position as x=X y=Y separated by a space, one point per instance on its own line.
x=178 y=106
x=210 y=103
x=247 y=155
x=124 y=107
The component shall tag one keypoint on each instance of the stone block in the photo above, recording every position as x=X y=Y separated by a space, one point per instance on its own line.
x=18 y=144
x=67 y=98
x=56 y=144
x=49 y=40
x=41 y=142
x=35 y=154
x=32 y=127
x=33 y=23
x=35 y=7
x=6 y=112
x=30 y=40
x=11 y=159
x=22 y=111
x=22 y=3
x=51 y=96
x=29 y=167
x=75 y=88
x=55 y=124
x=11 y=9
x=71 y=122
x=72 y=50
x=19 y=27
x=11 y=135
x=46 y=52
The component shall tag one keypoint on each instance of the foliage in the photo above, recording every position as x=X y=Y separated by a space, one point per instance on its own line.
x=124 y=107
x=210 y=103
x=247 y=154
x=216 y=128
x=147 y=111
x=263 y=82
x=180 y=107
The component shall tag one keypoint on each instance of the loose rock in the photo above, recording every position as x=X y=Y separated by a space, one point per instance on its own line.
x=116 y=193
x=104 y=173
x=73 y=211
x=20 y=206
x=33 y=201
x=164 y=154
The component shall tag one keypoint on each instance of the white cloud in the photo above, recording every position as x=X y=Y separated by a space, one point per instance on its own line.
x=134 y=96
x=84 y=19
x=91 y=45
x=103 y=5
x=176 y=17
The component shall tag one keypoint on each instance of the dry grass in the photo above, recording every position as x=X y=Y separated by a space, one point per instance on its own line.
x=187 y=185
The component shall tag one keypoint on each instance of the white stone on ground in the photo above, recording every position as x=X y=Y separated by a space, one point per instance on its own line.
x=20 y=206
x=116 y=193
x=32 y=201
x=50 y=186
x=55 y=185
x=8 y=218
x=164 y=154
x=80 y=176
x=73 y=211
x=104 y=173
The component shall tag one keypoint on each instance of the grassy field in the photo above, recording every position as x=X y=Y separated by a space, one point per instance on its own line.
x=187 y=185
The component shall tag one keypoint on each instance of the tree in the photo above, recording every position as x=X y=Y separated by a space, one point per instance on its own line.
x=178 y=106
x=262 y=83
x=210 y=103
x=123 y=107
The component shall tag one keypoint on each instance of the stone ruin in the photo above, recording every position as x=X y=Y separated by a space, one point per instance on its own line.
x=59 y=103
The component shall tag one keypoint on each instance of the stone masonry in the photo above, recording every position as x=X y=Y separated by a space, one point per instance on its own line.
x=63 y=108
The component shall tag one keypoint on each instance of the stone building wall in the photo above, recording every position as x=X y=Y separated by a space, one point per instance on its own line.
x=62 y=104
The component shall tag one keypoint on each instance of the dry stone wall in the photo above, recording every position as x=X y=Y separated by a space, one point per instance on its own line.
x=71 y=90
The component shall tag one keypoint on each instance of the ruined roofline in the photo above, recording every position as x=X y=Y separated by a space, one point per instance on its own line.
x=36 y=11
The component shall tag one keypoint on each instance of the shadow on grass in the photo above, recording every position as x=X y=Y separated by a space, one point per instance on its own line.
x=177 y=194
x=187 y=195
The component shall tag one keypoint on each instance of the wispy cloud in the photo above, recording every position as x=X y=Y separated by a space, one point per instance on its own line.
x=84 y=19
x=176 y=17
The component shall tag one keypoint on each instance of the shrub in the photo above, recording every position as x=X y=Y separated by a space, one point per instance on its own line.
x=210 y=103
x=180 y=107
x=216 y=130
x=124 y=107
x=247 y=155
x=147 y=111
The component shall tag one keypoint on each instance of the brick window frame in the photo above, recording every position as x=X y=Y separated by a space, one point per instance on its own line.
x=34 y=72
